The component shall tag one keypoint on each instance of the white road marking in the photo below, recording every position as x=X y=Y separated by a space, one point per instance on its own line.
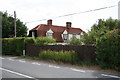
x=35 y=63
x=90 y=71
x=10 y=59
x=21 y=61
x=110 y=76
x=16 y=73
x=54 y=66
x=2 y=58
x=77 y=70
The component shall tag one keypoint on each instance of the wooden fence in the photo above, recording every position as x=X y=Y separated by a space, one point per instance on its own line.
x=84 y=52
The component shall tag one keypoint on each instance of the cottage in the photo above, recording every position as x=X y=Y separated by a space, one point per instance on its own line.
x=60 y=33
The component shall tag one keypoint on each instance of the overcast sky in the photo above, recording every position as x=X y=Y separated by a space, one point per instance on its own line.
x=33 y=10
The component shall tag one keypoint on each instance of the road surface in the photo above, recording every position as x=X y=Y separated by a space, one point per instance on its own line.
x=23 y=68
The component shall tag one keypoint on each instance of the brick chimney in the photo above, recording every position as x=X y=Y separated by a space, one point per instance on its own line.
x=68 y=24
x=49 y=22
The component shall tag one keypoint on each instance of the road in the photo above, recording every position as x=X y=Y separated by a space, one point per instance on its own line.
x=23 y=68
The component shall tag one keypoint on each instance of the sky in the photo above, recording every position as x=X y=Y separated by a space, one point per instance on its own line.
x=35 y=10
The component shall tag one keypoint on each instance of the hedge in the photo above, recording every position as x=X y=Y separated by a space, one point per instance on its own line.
x=15 y=46
x=44 y=40
x=108 y=51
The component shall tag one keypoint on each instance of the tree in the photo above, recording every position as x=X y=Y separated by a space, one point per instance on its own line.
x=8 y=26
x=100 y=29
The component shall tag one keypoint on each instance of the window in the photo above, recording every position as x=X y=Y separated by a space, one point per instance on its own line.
x=49 y=35
x=74 y=35
x=65 y=36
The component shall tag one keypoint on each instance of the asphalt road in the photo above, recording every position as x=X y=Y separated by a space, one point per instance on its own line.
x=22 y=68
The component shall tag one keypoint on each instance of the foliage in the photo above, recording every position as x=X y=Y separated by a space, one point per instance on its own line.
x=75 y=41
x=6 y=45
x=29 y=40
x=63 y=56
x=16 y=45
x=13 y=46
x=108 y=51
x=8 y=27
x=100 y=29
x=44 y=40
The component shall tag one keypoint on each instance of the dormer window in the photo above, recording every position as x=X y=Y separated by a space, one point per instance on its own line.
x=49 y=33
x=65 y=35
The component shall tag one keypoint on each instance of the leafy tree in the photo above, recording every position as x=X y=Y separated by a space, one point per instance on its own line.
x=8 y=26
x=100 y=29
x=108 y=50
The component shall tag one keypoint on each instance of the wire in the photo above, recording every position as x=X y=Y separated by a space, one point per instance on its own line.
x=75 y=13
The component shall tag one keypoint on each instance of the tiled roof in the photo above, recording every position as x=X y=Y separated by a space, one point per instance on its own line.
x=60 y=29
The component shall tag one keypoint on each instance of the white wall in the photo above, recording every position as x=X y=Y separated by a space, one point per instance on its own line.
x=70 y=36
x=78 y=36
x=33 y=34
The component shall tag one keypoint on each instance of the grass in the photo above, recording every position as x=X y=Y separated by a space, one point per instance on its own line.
x=61 y=56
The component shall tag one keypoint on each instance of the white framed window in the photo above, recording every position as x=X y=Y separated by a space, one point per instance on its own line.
x=49 y=35
x=65 y=36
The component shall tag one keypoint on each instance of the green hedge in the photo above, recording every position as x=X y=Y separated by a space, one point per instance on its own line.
x=6 y=45
x=75 y=41
x=63 y=56
x=15 y=46
x=44 y=40
x=108 y=51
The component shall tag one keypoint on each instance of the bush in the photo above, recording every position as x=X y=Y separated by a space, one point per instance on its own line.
x=63 y=56
x=44 y=41
x=75 y=41
x=30 y=40
x=18 y=45
x=108 y=51
x=6 y=45
x=15 y=46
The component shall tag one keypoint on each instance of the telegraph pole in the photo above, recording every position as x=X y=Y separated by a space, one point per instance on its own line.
x=119 y=10
x=15 y=22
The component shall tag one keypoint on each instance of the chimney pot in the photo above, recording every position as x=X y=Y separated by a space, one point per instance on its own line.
x=49 y=22
x=68 y=24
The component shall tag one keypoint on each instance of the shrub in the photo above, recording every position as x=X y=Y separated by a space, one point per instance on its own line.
x=108 y=51
x=29 y=40
x=63 y=56
x=6 y=45
x=19 y=46
x=15 y=46
x=44 y=40
x=75 y=41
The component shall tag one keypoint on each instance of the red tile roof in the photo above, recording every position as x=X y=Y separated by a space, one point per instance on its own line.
x=54 y=28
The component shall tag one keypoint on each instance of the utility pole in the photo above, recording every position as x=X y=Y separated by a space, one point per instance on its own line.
x=15 y=22
x=119 y=10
